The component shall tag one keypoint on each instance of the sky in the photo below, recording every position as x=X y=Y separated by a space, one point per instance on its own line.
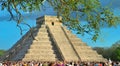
x=10 y=33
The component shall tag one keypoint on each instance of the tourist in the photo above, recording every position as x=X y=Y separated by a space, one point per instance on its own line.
x=1 y=64
x=45 y=64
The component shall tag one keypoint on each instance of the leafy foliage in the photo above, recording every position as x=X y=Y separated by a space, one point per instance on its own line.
x=2 y=52
x=105 y=52
x=116 y=54
x=73 y=13
x=90 y=11
x=112 y=52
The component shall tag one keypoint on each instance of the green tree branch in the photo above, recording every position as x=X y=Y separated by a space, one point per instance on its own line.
x=73 y=12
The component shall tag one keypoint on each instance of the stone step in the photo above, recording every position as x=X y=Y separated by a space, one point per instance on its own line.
x=88 y=54
x=42 y=38
x=83 y=47
x=39 y=56
x=39 y=59
x=79 y=43
x=39 y=29
x=39 y=50
x=42 y=42
x=91 y=55
x=72 y=36
x=41 y=53
x=42 y=33
x=69 y=54
x=55 y=32
x=75 y=39
x=42 y=30
x=93 y=59
x=87 y=51
x=41 y=47
x=47 y=45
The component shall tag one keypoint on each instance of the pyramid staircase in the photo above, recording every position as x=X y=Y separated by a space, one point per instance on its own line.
x=41 y=49
x=85 y=52
x=63 y=43
x=51 y=42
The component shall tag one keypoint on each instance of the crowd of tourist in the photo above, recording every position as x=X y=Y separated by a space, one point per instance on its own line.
x=57 y=63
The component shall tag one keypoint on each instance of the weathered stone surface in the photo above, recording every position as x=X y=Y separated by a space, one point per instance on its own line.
x=52 y=42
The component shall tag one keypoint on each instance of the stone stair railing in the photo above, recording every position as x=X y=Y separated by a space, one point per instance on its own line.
x=63 y=43
x=55 y=43
x=71 y=43
x=86 y=53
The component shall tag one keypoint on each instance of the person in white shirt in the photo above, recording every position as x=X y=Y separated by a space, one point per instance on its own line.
x=1 y=64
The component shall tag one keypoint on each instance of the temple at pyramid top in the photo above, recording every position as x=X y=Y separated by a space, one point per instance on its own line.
x=49 y=20
x=52 y=41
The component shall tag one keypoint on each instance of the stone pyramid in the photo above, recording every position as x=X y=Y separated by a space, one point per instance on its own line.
x=51 y=42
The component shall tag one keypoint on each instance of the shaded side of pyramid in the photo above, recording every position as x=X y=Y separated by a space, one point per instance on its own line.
x=52 y=41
